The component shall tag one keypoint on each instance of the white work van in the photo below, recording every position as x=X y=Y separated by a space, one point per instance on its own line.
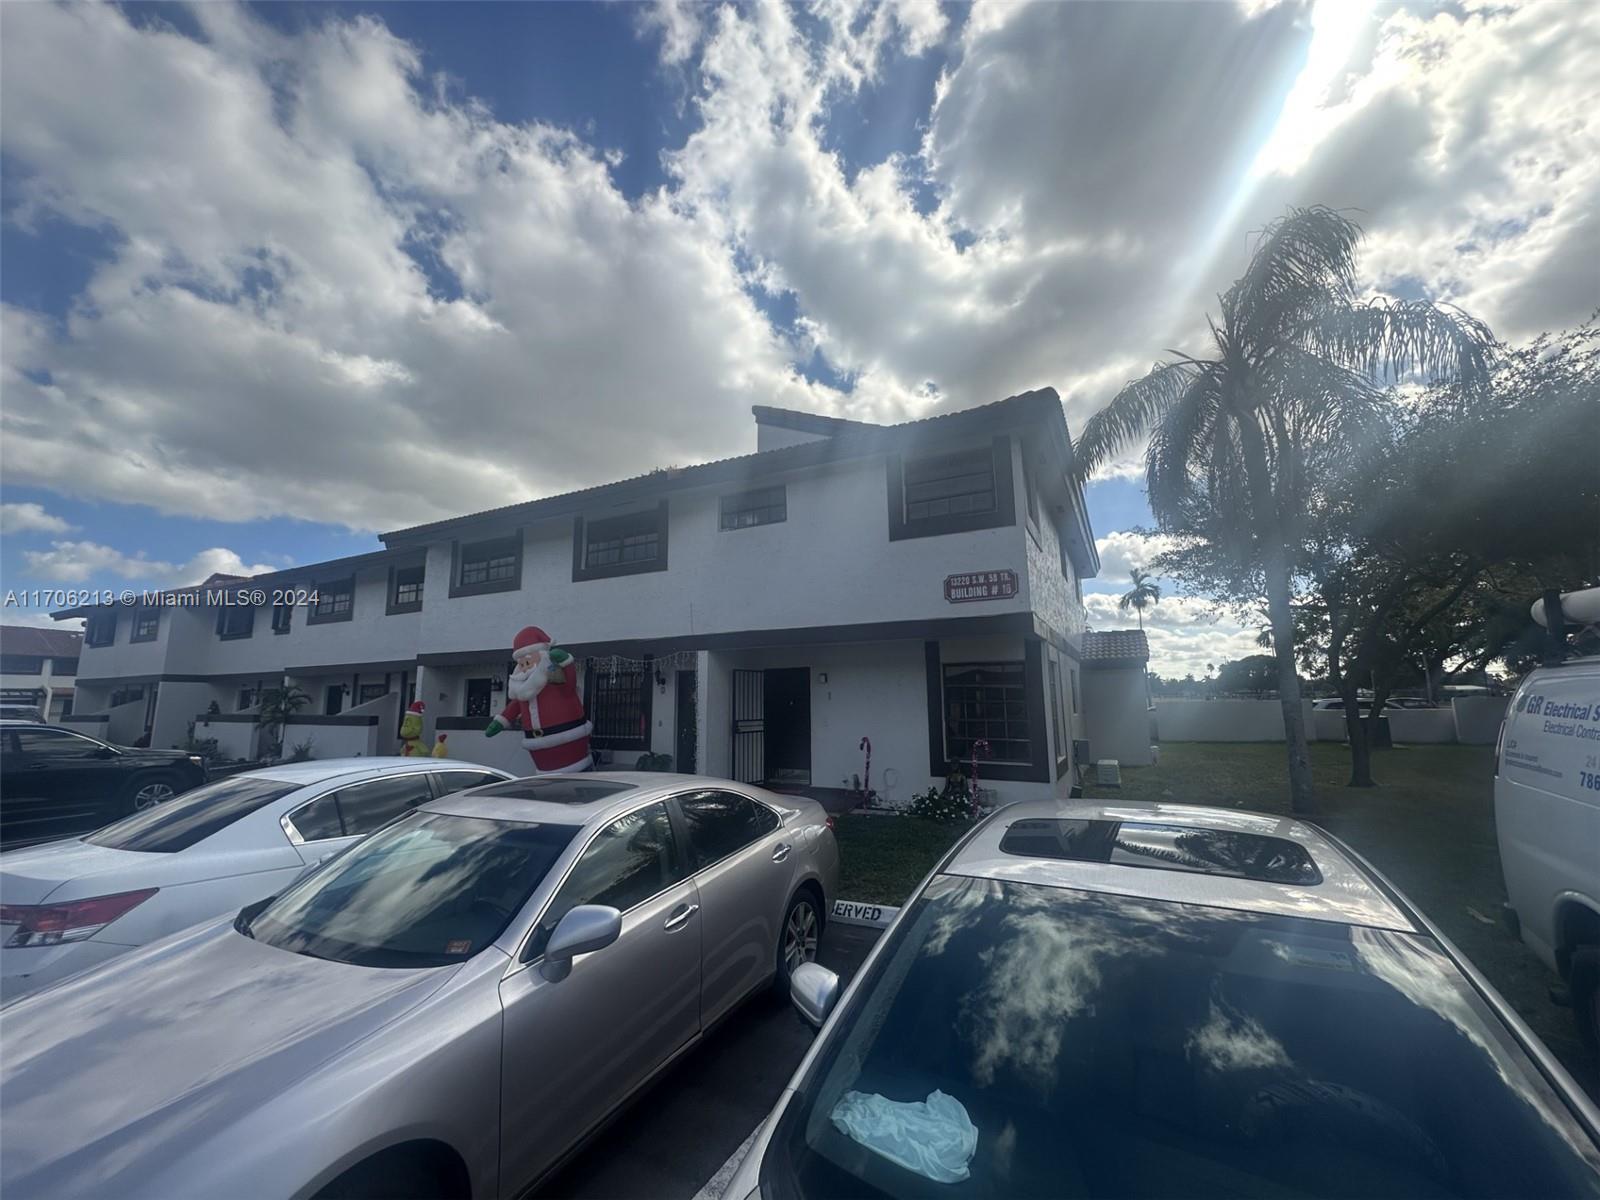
x=1547 y=813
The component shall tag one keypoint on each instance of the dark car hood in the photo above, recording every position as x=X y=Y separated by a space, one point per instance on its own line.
x=116 y=1070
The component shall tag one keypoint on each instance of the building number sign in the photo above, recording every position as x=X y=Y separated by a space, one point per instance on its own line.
x=980 y=585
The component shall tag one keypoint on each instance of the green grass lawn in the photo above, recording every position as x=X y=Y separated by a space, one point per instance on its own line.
x=1428 y=826
x=882 y=859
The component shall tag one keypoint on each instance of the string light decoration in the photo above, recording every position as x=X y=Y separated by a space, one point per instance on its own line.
x=612 y=665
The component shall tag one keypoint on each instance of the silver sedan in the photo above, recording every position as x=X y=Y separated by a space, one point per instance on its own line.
x=450 y=1007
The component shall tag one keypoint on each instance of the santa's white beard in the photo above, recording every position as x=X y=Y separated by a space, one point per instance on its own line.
x=528 y=680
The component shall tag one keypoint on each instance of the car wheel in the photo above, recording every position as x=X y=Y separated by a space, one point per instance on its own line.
x=1584 y=984
x=798 y=940
x=147 y=791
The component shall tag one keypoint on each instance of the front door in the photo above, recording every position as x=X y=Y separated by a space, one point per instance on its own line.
x=688 y=708
x=335 y=700
x=749 y=727
x=575 y=1049
x=788 y=726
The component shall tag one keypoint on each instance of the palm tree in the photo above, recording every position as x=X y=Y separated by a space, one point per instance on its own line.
x=1143 y=593
x=1239 y=442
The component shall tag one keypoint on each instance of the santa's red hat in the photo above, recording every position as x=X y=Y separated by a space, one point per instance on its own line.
x=415 y=707
x=530 y=640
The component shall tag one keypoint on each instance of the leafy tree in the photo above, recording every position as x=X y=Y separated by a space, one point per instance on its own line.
x=1255 y=673
x=1143 y=594
x=1240 y=441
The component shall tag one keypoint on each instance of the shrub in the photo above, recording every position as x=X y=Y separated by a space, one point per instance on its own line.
x=653 y=762
x=302 y=751
x=952 y=802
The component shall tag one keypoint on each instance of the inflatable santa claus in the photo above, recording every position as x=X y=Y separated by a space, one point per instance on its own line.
x=545 y=704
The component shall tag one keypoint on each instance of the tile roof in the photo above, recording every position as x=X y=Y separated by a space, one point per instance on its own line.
x=40 y=643
x=1115 y=646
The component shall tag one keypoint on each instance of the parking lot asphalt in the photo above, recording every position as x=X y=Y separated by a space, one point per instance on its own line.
x=682 y=1129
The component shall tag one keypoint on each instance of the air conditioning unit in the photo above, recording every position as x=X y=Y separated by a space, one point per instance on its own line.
x=1108 y=773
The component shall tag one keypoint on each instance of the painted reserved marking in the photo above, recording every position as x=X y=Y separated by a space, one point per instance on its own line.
x=852 y=912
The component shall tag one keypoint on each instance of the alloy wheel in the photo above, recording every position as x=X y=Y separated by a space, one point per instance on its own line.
x=152 y=794
x=800 y=936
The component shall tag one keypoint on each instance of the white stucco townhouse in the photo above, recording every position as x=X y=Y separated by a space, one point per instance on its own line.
x=38 y=668
x=916 y=585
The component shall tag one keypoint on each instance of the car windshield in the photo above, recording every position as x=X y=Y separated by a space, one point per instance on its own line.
x=1017 y=1040
x=429 y=890
x=193 y=816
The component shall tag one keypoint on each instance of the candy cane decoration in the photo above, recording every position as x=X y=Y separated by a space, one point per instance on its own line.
x=866 y=778
x=984 y=744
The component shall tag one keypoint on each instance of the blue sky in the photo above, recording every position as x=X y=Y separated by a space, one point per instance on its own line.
x=276 y=278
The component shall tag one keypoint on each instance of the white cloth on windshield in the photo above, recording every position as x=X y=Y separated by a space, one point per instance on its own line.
x=933 y=1137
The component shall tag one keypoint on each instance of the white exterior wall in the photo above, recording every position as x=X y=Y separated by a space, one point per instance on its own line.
x=1118 y=718
x=47 y=681
x=873 y=689
x=126 y=724
x=1046 y=589
x=235 y=739
x=830 y=563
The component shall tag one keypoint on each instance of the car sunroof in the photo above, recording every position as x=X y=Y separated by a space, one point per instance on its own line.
x=556 y=789
x=1163 y=848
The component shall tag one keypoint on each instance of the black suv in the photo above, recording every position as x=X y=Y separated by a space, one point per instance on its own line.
x=56 y=783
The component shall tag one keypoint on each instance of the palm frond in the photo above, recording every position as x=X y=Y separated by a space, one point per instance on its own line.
x=1132 y=414
x=1177 y=445
x=1302 y=260
x=1395 y=339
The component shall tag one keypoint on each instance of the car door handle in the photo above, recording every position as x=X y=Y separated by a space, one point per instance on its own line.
x=782 y=852
x=680 y=915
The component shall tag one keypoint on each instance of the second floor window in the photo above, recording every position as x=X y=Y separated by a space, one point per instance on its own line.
x=494 y=565
x=282 y=618
x=100 y=629
x=950 y=485
x=951 y=491
x=405 y=589
x=63 y=666
x=628 y=544
x=335 y=602
x=766 y=506
x=146 y=625
x=236 y=621
x=21 y=664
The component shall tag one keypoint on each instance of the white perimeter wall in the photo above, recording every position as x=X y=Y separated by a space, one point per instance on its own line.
x=1221 y=720
x=1472 y=720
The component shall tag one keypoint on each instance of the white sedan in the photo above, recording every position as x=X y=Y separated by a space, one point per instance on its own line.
x=67 y=906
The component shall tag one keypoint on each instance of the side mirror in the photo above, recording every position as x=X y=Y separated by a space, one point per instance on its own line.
x=584 y=929
x=814 y=989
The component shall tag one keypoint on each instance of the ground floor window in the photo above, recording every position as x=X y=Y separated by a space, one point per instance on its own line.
x=479 y=698
x=125 y=695
x=987 y=702
x=619 y=705
x=372 y=691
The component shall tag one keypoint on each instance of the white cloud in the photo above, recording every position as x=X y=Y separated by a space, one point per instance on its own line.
x=31 y=518
x=76 y=562
x=1184 y=633
x=266 y=341
x=1125 y=550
